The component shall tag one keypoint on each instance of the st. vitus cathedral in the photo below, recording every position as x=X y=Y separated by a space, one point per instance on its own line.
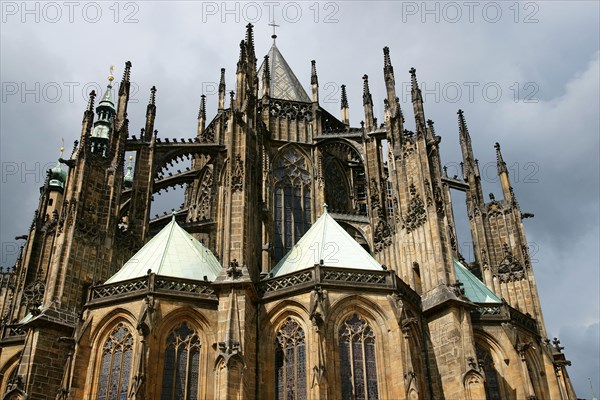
x=310 y=260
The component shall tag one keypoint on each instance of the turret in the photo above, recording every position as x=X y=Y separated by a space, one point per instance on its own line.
x=103 y=127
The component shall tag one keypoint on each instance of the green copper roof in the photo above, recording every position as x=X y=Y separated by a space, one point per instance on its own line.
x=58 y=176
x=284 y=84
x=172 y=252
x=107 y=99
x=475 y=290
x=326 y=240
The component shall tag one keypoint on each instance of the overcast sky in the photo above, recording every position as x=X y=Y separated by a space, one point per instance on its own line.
x=525 y=73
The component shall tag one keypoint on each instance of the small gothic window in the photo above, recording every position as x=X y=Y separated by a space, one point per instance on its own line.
x=115 y=364
x=182 y=364
x=357 y=360
x=491 y=385
x=290 y=362
x=292 y=201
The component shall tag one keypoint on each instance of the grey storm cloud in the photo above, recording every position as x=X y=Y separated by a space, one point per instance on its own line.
x=525 y=73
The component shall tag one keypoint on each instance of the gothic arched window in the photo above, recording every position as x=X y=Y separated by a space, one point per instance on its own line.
x=491 y=385
x=292 y=201
x=182 y=364
x=357 y=360
x=115 y=364
x=290 y=362
x=337 y=193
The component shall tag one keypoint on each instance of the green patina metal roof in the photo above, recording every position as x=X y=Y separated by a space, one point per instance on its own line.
x=326 y=240
x=284 y=84
x=172 y=252
x=475 y=290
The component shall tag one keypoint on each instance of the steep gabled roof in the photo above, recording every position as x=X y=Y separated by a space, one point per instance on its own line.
x=284 y=84
x=326 y=240
x=475 y=290
x=172 y=252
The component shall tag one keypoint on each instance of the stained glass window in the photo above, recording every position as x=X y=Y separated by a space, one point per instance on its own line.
x=492 y=386
x=290 y=362
x=292 y=201
x=357 y=360
x=115 y=364
x=182 y=364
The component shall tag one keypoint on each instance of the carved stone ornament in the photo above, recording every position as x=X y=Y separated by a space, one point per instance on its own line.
x=237 y=175
x=510 y=269
x=382 y=234
x=416 y=215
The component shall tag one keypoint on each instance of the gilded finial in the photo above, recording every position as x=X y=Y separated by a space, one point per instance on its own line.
x=111 y=77
x=130 y=158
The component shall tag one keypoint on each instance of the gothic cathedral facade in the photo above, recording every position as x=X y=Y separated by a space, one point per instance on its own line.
x=309 y=260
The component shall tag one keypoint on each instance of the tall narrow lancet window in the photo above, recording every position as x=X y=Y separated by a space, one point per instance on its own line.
x=290 y=362
x=182 y=364
x=492 y=385
x=292 y=201
x=115 y=364
x=357 y=360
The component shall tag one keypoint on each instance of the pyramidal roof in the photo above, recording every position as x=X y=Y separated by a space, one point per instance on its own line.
x=475 y=290
x=284 y=84
x=172 y=252
x=326 y=240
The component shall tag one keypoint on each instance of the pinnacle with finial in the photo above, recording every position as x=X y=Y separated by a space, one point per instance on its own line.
x=500 y=161
x=202 y=110
x=313 y=73
x=462 y=125
x=387 y=63
x=91 y=101
x=344 y=102
x=153 y=95
x=367 y=99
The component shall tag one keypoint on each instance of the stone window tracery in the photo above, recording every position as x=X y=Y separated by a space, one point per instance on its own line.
x=290 y=362
x=491 y=385
x=357 y=360
x=182 y=364
x=292 y=201
x=115 y=364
